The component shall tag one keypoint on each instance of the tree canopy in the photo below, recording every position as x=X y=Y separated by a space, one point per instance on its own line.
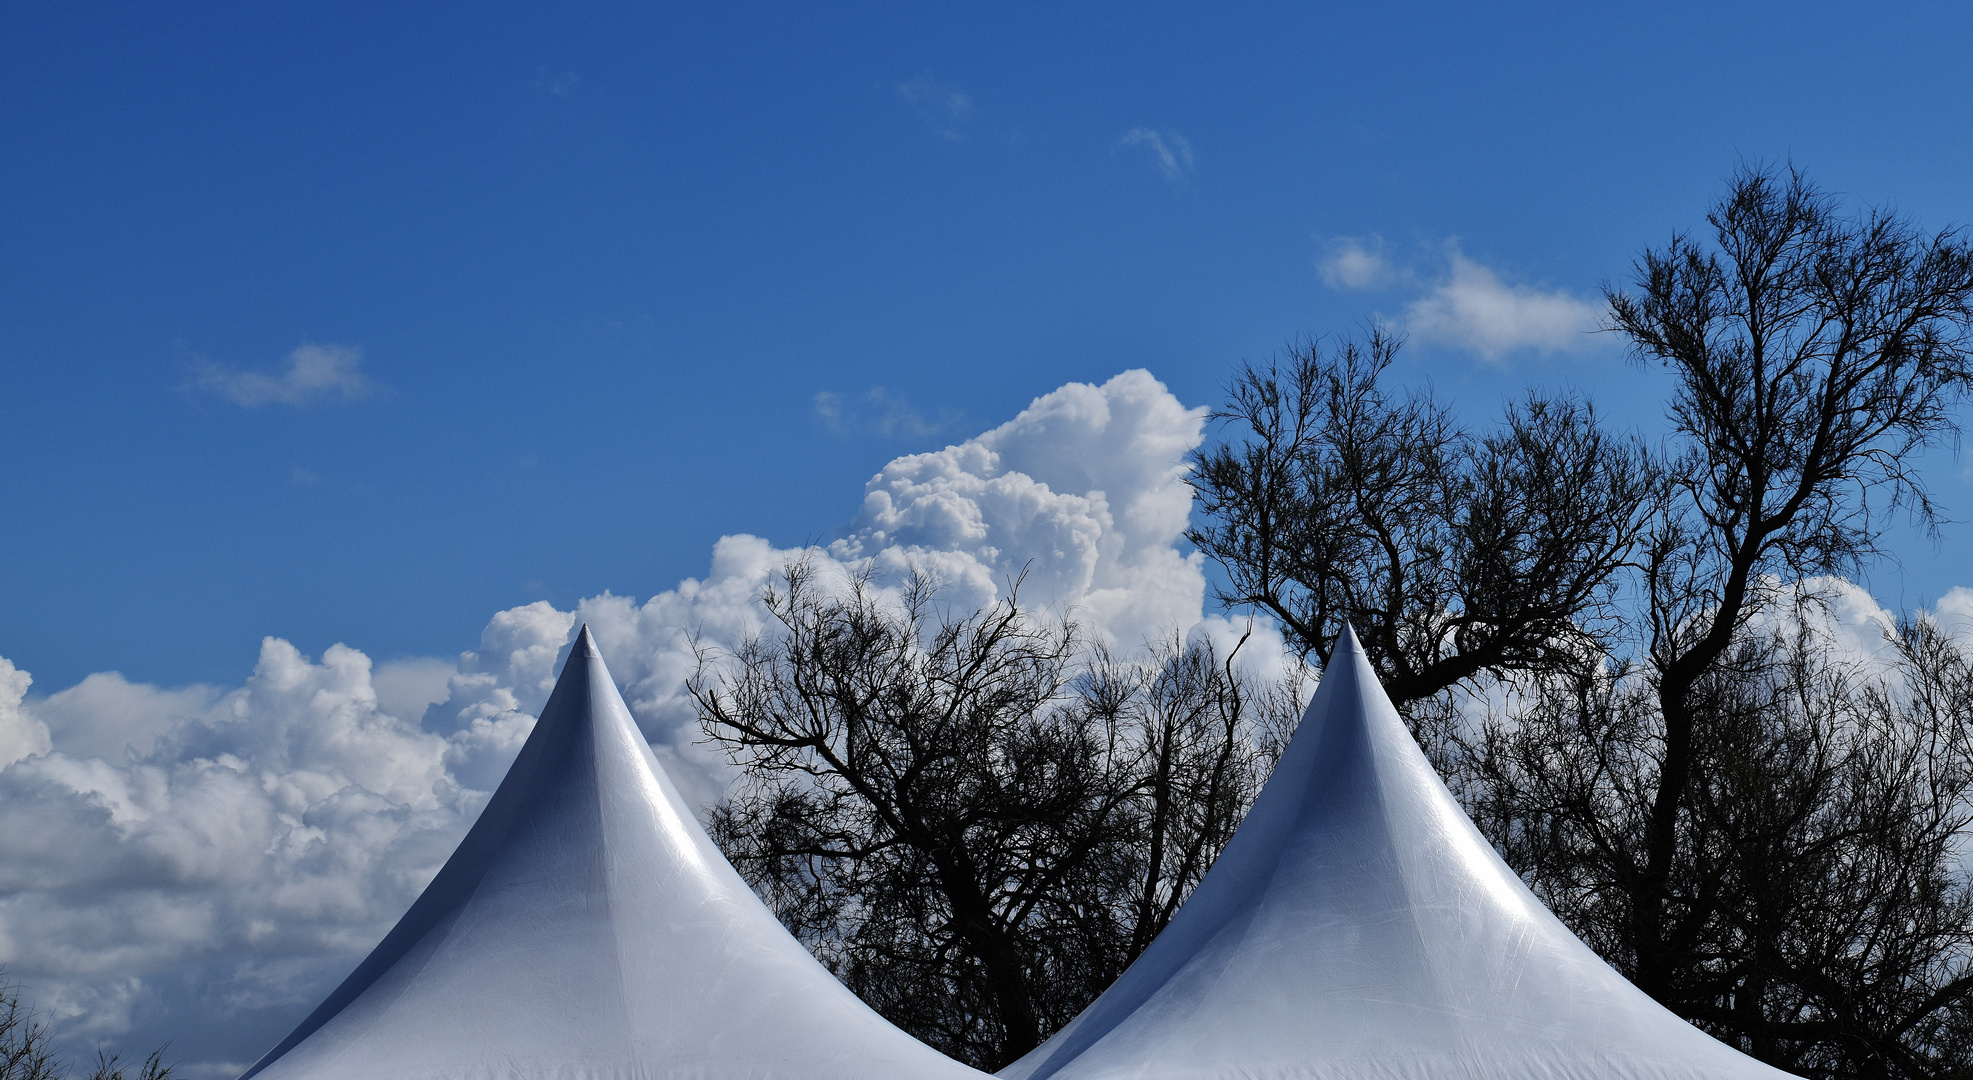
x=1616 y=651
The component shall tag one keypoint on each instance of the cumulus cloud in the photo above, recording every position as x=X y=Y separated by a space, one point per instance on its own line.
x=312 y=373
x=1845 y=615
x=1083 y=493
x=21 y=735
x=211 y=875
x=1169 y=150
x=1357 y=262
x=1473 y=308
x=106 y=716
x=200 y=864
x=945 y=109
x=1459 y=302
x=1954 y=612
x=409 y=686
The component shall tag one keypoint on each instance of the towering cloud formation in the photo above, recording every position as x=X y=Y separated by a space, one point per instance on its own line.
x=21 y=735
x=200 y=864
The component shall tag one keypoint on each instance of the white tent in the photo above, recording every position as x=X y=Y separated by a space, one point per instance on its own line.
x=587 y=928
x=1358 y=926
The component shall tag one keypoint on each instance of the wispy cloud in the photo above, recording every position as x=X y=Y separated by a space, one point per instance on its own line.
x=561 y=84
x=313 y=373
x=1357 y=262
x=877 y=412
x=945 y=109
x=1460 y=302
x=1169 y=149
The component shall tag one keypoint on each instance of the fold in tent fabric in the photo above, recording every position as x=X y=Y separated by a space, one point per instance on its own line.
x=588 y=928
x=1358 y=926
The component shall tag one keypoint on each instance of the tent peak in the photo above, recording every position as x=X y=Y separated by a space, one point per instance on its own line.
x=1347 y=641
x=587 y=928
x=1358 y=926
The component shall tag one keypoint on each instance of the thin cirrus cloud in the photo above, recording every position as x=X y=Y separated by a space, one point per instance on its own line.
x=1170 y=151
x=877 y=412
x=1460 y=302
x=561 y=84
x=944 y=108
x=311 y=374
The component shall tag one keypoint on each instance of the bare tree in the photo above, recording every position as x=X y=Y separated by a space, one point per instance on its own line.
x=973 y=820
x=24 y=1050
x=26 y=1053
x=1454 y=555
x=1823 y=916
x=978 y=822
x=1760 y=836
x=1814 y=353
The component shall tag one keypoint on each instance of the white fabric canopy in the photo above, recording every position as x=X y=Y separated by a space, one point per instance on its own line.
x=588 y=928
x=1358 y=926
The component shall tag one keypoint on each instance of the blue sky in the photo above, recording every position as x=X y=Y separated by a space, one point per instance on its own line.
x=435 y=329
x=599 y=261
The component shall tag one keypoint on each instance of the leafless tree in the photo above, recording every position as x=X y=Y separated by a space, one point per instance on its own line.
x=979 y=822
x=24 y=1050
x=1335 y=500
x=27 y=1054
x=1814 y=354
x=1759 y=836
x=973 y=819
x=1820 y=909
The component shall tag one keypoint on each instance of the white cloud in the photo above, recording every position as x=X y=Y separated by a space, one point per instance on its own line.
x=1463 y=303
x=312 y=373
x=877 y=412
x=205 y=889
x=1357 y=262
x=201 y=864
x=1473 y=308
x=1954 y=613
x=409 y=686
x=1083 y=492
x=106 y=716
x=21 y=735
x=945 y=109
x=1169 y=149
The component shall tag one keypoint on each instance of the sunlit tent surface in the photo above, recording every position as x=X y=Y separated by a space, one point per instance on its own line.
x=1359 y=926
x=587 y=927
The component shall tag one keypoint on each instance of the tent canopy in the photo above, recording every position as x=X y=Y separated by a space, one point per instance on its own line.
x=1358 y=926
x=588 y=928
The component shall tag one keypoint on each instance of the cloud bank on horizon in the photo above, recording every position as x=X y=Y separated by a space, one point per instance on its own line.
x=201 y=864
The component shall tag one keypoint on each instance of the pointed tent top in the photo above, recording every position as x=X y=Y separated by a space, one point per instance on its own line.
x=587 y=927
x=1358 y=926
x=1347 y=644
